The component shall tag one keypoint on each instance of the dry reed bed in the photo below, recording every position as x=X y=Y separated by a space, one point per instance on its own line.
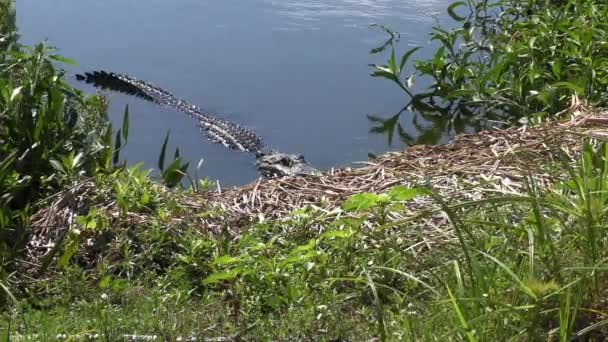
x=472 y=167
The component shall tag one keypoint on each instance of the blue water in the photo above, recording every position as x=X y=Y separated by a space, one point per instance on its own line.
x=294 y=71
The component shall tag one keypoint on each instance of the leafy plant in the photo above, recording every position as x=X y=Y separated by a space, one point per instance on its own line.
x=51 y=137
x=134 y=191
x=507 y=60
x=173 y=174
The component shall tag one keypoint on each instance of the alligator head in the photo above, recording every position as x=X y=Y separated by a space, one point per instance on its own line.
x=277 y=164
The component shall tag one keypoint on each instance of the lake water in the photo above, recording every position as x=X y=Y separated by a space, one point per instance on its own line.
x=294 y=71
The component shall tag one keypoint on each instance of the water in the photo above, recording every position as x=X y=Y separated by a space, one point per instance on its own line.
x=294 y=71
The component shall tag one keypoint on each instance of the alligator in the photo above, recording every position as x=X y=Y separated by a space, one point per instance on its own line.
x=269 y=162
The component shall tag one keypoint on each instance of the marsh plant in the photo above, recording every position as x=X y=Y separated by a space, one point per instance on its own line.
x=527 y=265
x=52 y=136
x=505 y=60
x=406 y=263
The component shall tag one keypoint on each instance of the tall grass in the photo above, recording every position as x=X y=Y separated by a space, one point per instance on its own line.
x=524 y=267
x=528 y=266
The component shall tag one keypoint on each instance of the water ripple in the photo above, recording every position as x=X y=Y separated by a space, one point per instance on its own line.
x=307 y=13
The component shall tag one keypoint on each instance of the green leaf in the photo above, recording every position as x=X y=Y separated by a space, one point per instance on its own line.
x=461 y=319
x=105 y=282
x=392 y=33
x=221 y=276
x=311 y=245
x=392 y=63
x=452 y=10
x=4 y=91
x=86 y=222
x=569 y=85
x=6 y=165
x=175 y=164
x=125 y=124
x=225 y=260
x=106 y=157
x=174 y=173
x=344 y=233
x=362 y=201
x=403 y=193
x=163 y=150
x=410 y=277
x=512 y=274
x=531 y=42
x=406 y=56
x=56 y=165
x=384 y=74
x=393 y=37
x=63 y=60
x=77 y=160
x=70 y=249
x=16 y=92
x=56 y=102
x=117 y=147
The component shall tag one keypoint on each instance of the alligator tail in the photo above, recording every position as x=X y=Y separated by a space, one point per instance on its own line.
x=104 y=80
x=218 y=130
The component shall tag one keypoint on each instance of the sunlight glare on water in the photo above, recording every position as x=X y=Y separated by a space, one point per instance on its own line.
x=355 y=9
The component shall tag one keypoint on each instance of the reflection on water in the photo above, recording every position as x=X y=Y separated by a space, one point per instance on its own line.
x=432 y=123
x=430 y=127
x=294 y=71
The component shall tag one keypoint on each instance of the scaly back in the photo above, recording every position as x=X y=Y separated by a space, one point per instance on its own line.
x=217 y=130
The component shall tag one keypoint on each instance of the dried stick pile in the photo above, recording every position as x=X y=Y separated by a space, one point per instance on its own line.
x=470 y=167
x=467 y=168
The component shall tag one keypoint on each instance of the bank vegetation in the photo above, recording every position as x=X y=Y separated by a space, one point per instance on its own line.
x=499 y=235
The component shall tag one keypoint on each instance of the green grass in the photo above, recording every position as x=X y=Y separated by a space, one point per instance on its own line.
x=525 y=267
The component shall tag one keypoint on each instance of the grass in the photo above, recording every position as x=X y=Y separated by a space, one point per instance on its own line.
x=93 y=249
x=524 y=267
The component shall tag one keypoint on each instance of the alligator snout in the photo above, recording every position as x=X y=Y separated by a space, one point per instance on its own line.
x=277 y=164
